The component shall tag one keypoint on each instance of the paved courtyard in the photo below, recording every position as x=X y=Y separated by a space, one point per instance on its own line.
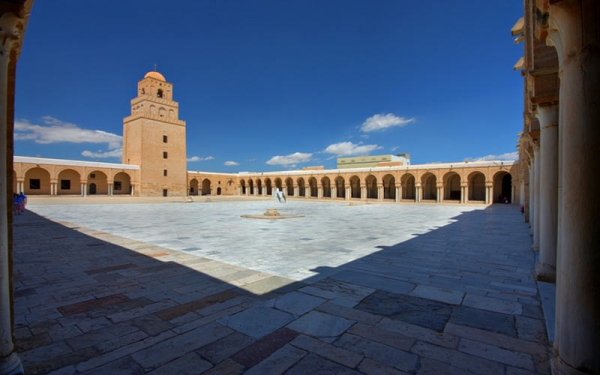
x=189 y=288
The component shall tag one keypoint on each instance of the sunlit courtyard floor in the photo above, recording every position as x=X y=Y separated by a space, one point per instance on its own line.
x=194 y=287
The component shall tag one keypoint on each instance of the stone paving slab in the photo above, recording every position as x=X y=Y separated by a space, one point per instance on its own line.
x=449 y=290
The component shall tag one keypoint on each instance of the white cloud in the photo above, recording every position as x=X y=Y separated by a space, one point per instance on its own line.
x=197 y=158
x=380 y=122
x=506 y=156
x=103 y=154
x=349 y=149
x=286 y=160
x=57 y=131
x=394 y=148
x=251 y=160
x=231 y=163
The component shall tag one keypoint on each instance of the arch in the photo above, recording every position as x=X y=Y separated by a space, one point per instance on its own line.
x=251 y=186
x=289 y=185
x=314 y=190
x=37 y=181
x=429 y=183
x=326 y=186
x=218 y=191
x=389 y=187
x=408 y=186
x=206 y=186
x=477 y=186
x=502 y=187
x=121 y=184
x=159 y=93
x=194 y=187
x=162 y=112
x=268 y=186
x=259 y=186
x=171 y=113
x=68 y=182
x=100 y=181
x=371 y=183
x=301 y=188
x=278 y=184
x=340 y=187
x=152 y=109
x=452 y=190
x=354 y=187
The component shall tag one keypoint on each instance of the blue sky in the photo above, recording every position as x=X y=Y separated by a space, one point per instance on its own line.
x=275 y=85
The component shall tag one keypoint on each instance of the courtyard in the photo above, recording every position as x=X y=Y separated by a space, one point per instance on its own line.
x=371 y=288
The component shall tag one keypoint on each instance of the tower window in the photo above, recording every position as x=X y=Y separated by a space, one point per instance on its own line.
x=159 y=93
x=164 y=139
x=165 y=155
x=164 y=172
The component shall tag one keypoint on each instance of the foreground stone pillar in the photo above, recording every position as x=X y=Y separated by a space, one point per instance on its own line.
x=464 y=195
x=363 y=192
x=296 y=190
x=548 y=207
x=577 y=40
x=439 y=195
x=380 y=192
x=398 y=193
x=348 y=191
x=418 y=192
x=11 y=32
x=333 y=192
x=132 y=190
x=536 y=197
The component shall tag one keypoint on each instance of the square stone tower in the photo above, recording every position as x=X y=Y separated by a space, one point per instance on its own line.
x=154 y=139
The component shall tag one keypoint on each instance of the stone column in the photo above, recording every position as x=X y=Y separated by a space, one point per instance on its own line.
x=536 y=198
x=296 y=190
x=363 y=192
x=548 y=219
x=489 y=199
x=348 y=191
x=132 y=190
x=333 y=192
x=11 y=32
x=440 y=193
x=110 y=188
x=380 y=193
x=531 y=199
x=418 y=192
x=577 y=339
x=82 y=188
x=319 y=192
x=398 y=193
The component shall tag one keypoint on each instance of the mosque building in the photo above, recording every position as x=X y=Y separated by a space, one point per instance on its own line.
x=154 y=165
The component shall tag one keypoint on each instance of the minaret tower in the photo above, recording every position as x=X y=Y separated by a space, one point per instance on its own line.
x=154 y=139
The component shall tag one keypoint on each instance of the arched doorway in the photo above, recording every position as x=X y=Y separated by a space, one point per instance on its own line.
x=389 y=187
x=429 y=183
x=452 y=187
x=408 y=187
x=194 y=187
x=218 y=191
x=289 y=185
x=371 y=182
x=278 y=184
x=301 y=188
x=340 y=187
x=121 y=183
x=326 y=186
x=243 y=187
x=259 y=187
x=69 y=182
x=477 y=187
x=37 y=182
x=268 y=186
x=502 y=187
x=354 y=187
x=99 y=180
x=314 y=191
x=251 y=186
x=206 y=186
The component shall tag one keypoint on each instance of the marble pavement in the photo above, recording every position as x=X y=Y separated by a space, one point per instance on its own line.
x=192 y=288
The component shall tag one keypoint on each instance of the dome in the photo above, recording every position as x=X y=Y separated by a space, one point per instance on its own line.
x=155 y=75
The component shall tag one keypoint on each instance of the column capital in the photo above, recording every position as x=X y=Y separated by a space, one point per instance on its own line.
x=547 y=115
x=11 y=33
